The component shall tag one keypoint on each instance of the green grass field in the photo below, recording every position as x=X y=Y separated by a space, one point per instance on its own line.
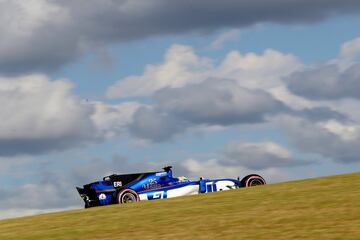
x=323 y=208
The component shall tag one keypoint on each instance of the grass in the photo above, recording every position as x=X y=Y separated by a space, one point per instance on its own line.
x=322 y=208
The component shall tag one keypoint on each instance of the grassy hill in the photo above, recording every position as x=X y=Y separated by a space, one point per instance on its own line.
x=323 y=208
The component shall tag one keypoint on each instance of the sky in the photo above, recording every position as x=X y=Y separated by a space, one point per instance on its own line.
x=213 y=88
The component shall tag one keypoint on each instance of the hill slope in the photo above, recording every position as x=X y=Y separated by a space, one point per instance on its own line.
x=323 y=208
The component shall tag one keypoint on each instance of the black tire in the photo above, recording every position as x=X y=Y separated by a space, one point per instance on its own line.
x=252 y=180
x=127 y=196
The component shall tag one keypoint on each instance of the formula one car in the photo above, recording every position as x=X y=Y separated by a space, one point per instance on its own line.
x=119 y=189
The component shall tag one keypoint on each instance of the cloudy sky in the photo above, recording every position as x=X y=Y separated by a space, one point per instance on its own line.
x=215 y=88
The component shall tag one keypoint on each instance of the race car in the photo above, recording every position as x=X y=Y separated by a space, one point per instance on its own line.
x=135 y=187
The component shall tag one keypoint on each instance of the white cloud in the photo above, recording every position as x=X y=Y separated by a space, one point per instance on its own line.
x=40 y=115
x=345 y=131
x=35 y=106
x=262 y=71
x=283 y=94
x=113 y=120
x=334 y=139
x=181 y=67
x=26 y=39
x=349 y=50
x=346 y=106
x=34 y=15
x=212 y=168
x=227 y=36
x=261 y=155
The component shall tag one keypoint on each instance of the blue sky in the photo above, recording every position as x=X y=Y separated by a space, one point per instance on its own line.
x=86 y=95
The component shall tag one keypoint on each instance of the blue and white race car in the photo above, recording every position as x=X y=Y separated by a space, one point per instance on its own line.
x=126 y=188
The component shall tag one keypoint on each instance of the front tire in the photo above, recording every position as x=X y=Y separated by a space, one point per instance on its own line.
x=127 y=196
x=252 y=180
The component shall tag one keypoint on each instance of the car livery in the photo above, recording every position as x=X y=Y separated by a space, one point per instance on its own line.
x=126 y=188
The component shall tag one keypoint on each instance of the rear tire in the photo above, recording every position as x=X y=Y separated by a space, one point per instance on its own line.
x=127 y=196
x=252 y=180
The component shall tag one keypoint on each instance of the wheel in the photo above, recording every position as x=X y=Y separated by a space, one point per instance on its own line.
x=252 y=180
x=127 y=196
